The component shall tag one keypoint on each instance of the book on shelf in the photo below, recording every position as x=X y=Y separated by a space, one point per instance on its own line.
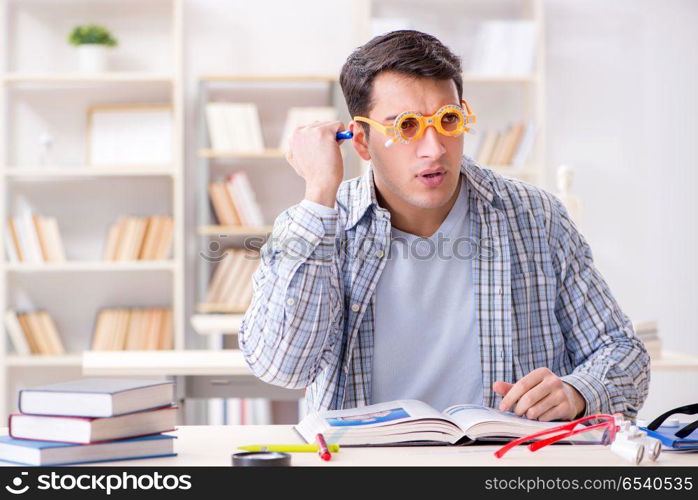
x=124 y=329
x=230 y=287
x=34 y=239
x=234 y=202
x=96 y=397
x=89 y=430
x=299 y=116
x=33 y=332
x=504 y=47
x=234 y=127
x=509 y=147
x=139 y=238
x=406 y=422
x=44 y=453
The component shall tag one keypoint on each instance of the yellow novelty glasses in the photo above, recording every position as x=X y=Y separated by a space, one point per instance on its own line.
x=450 y=120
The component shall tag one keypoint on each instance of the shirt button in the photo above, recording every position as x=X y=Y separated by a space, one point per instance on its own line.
x=290 y=302
x=380 y=253
x=355 y=307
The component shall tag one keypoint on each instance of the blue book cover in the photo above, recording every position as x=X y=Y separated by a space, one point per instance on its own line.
x=668 y=439
x=7 y=453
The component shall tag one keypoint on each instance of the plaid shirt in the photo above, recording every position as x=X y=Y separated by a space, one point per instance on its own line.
x=540 y=302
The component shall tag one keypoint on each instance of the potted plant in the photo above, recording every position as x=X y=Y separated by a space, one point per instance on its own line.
x=92 y=42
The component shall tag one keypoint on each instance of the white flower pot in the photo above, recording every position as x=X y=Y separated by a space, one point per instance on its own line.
x=92 y=58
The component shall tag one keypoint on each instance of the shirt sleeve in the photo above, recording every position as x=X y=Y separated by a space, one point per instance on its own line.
x=291 y=329
x=611 y=363
x=319 y=209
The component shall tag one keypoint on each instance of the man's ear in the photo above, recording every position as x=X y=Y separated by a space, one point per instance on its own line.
x=359 y=141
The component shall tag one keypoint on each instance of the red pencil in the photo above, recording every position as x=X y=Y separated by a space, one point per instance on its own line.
x=322 y=448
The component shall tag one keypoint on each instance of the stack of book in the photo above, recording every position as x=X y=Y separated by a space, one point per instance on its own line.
x=230 y=288
x=34 y=239
x=648 y=332
x=234 y=202
x=234 y=127
x=140 y=238
x=124 y=329
x=508 y=147
x=33 y=332
x=91 y=420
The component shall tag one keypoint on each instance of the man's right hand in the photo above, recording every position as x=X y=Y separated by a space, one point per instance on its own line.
x=315 y=155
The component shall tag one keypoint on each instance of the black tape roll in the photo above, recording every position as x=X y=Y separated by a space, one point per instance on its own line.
x=261 y=459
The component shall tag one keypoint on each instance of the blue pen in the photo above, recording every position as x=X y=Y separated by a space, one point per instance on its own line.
x=347 y=134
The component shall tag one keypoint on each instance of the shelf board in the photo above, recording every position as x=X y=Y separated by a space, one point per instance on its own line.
x=41 y=360
x=182 y=362
x=32 y=173
x=205 y=308
x=235 y=230
x=86 y=78
x=675 y=361
x=499 y=79
x=262 y=155
x=210 y=324
x=89 y=266
x=268 y=78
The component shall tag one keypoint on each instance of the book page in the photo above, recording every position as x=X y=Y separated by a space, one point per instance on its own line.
x=335 y=422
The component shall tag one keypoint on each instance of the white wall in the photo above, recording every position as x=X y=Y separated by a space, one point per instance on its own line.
x=623 y=110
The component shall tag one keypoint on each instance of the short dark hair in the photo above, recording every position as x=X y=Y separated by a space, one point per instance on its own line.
x=408 y=52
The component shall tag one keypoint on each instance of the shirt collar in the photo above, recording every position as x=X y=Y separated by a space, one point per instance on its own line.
x=480 y=180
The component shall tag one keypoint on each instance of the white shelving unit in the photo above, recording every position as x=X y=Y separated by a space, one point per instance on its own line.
x=72 y=292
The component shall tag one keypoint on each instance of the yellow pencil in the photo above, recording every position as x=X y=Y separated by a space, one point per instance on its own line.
x=288 y=448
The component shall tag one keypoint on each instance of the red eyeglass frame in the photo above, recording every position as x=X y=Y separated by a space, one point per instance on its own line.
x=612 y=422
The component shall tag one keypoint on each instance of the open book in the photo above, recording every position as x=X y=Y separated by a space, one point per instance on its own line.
x=412 y=422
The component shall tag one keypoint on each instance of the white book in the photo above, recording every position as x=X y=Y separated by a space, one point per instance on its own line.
x=254 y=128
x=239 y=199
x=10 y=245
x=26 y=232
x=242 y=127
x=217 y=131
x=96 y=397
x=260 y=411
x=16 y=333
x=241 y=181
x=87 y=430
x=233 y=411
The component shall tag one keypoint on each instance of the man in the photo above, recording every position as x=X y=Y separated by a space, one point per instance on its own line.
x=355 y=300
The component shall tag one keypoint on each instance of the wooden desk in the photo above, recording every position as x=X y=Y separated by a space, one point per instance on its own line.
x=213 y=445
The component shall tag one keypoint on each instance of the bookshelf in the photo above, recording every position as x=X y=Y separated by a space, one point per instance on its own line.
x=45 y=93
x=213 y=321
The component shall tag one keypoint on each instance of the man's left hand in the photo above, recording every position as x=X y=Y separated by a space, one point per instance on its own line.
x=541 y=395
